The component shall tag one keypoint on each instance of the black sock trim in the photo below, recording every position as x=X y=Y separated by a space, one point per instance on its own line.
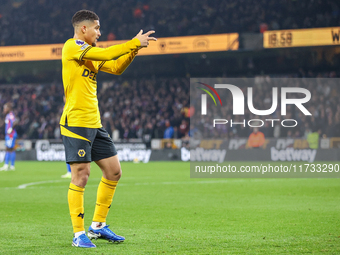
x=109 y=184
x=76 y=190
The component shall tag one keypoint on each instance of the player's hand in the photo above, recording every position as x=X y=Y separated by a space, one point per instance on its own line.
x=144 y=38
x=9 y=131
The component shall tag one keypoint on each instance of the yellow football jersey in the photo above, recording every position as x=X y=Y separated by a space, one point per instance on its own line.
x=81 y=63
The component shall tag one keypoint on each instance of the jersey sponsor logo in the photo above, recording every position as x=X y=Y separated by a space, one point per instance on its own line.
x=81 y=153
x=84 y=46
x=87 y=73
x=79 y=42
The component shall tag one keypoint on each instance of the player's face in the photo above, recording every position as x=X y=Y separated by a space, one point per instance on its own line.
x=93 y=33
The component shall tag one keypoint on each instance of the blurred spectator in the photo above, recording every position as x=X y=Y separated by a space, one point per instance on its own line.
x=256 y=139
x=169 y=131
x=183 y=128
x=111 y=37
x=263 y=27
x=313 y=139
x=138 y=13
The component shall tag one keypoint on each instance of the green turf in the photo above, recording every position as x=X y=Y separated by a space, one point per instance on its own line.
x=159 y=209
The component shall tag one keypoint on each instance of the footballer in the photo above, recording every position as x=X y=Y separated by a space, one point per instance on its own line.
x=10 y=137
x=84 y=137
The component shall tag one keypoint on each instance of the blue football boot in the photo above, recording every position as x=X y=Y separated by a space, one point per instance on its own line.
x=104 y=233
x=83 y=241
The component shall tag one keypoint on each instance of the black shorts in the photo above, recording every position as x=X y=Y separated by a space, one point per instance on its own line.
x=86 y=144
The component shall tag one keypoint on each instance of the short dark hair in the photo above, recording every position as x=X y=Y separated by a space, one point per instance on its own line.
x=82 y=15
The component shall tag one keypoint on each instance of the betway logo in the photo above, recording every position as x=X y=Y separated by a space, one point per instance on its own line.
x=290 y=154
x=49 y=152
x=129 y=155
x=200 y=154
x=50 y=155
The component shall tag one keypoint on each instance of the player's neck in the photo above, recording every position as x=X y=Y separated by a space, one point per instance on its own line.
x=79 y=37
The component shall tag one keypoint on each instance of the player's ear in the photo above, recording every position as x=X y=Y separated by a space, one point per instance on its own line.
x=83 y=29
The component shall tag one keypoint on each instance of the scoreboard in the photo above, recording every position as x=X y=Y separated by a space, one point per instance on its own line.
x=301 y=37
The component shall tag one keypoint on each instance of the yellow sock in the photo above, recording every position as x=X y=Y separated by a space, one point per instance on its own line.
x=76 y=205
x=106 y=190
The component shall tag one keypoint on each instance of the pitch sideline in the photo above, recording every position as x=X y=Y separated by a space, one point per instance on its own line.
x=34 y=184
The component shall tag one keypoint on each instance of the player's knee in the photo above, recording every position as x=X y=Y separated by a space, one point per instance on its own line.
x=80 y=175
x=115 y=174
x=80 y=180
x=84 y=177
x=118 y=173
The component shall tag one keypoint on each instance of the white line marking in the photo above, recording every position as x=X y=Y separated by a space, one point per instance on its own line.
x=24 y=186
x=35 y=184
x=172 y=183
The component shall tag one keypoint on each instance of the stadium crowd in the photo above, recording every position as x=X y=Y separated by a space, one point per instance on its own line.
x=130 y=109
x=48 y=22
x=159 y=108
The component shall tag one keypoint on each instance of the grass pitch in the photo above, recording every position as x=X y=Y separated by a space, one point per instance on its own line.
x=159 y=209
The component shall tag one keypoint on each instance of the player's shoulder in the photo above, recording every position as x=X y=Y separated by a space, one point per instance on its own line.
x=77 y=44
x=73 y=48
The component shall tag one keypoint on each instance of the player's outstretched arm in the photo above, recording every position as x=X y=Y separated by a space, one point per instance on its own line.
x=118 y=66
x=112 y=52
x=98 y=54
